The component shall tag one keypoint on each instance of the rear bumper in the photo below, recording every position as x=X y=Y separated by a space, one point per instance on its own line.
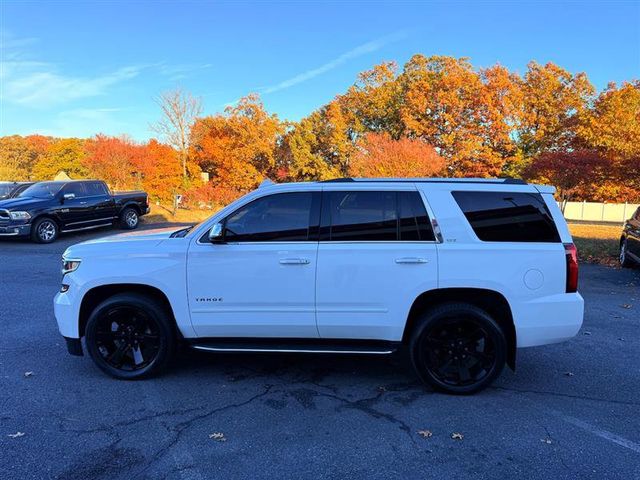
x=15 y=230
x=549 y=319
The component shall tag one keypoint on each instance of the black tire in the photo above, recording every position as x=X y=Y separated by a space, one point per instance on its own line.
x=624 y=259
x=130 y=336
x=445 y=348
x=44 y=230
x=129 y=218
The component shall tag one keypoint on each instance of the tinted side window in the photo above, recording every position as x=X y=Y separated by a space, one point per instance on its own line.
x=414 y=221
x=96 y=188
x=283 y=217
x=77 y=188
x=508 y=216
x=362 y=215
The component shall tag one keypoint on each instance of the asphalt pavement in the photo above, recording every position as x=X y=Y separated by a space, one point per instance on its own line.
x=571 y=410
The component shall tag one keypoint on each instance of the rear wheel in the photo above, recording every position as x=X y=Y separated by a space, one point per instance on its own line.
x=458 y=348
x=625 y=261
x=129 y=218
x=130 y=336
x=44 y=230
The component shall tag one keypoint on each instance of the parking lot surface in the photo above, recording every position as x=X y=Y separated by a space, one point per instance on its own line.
x=571 y=410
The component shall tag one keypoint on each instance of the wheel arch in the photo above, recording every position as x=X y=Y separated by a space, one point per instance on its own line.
x=93 y=297
x=491 y=301
x=132 y=205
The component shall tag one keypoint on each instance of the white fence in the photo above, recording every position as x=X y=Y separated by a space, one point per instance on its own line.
x=599 y=212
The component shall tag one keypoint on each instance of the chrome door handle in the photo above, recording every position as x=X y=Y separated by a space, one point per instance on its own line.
x=411 y=260
x=294 y=261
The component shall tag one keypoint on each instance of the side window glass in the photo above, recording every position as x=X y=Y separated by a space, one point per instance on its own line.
x=362 y=216
x=282 y=217
x=77 y=188
x=95 y=189
x=508 y=216
x=414 y=221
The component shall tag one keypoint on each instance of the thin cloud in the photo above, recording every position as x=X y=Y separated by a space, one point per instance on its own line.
x=45 y=87
x=359 y=51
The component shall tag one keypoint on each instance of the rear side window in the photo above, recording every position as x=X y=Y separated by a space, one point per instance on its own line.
x=95 y=189
x=77 y=188
x=283 y=217
x=508 y=216
x=374 y=216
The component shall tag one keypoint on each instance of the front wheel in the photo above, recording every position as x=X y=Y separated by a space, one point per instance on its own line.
x=625 y=261
x=129 y=218
x=44 y=230
x=458 y=348
x=130 y=336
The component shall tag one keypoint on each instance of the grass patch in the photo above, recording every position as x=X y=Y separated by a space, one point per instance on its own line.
x=161 y=214
x=597 y=243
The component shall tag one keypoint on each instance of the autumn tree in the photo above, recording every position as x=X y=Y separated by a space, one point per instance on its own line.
x=62 y=155
x=448 y=105
x=238 y=147
x=17 y=157
x=379 y=155
x=158 y=170
x=179 y=111
x=114 y=160
x=573 y=173
x=552 y=101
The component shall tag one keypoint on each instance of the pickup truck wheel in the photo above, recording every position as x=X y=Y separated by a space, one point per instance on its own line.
x=129 y=218
x=44 y=230
x=458 y=348
x=625 y=261
x=130 y=336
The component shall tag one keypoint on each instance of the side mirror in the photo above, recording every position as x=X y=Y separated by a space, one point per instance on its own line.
x=68 y=196
x=216 y=234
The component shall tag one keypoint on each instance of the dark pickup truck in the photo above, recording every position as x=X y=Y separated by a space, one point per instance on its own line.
x=13 y=189
x=46 y=209
x=630 y=241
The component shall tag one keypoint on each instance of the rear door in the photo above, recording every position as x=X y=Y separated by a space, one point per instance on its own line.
x=100 y=202
x=377 y=253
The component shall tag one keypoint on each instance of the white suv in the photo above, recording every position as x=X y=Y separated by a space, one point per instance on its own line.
x=461 y=272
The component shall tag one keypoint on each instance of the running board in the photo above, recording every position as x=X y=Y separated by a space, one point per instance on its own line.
x=285 y=345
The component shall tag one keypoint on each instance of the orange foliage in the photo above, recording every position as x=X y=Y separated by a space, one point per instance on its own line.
x=381 y=156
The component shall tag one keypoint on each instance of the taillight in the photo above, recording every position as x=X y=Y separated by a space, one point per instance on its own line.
x=571 y=254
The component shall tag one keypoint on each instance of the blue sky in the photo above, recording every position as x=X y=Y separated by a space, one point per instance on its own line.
x=77 y=68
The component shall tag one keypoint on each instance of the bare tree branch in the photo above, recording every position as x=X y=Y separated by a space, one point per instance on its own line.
x=179 y=111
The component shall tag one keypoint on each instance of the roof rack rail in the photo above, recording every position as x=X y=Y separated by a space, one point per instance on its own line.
x=504 y=180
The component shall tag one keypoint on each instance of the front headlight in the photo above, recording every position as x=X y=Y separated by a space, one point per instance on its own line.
x=70 y=265
x=20 y=215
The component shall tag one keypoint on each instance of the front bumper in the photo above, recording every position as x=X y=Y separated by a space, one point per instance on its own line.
x=15 y=230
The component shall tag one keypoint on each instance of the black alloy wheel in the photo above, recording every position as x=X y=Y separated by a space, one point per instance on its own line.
x=458 y=348
x=130 y=336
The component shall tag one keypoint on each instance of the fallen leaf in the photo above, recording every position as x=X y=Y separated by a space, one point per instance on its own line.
x=28 y=374
x=218 y=437
x=546 y=440
x=16 y=435
x=626 y=305
x=621 y=339
x=425 y=433
x=586 y=333
x=382 y=388
x=457 y=436
x=569 y=374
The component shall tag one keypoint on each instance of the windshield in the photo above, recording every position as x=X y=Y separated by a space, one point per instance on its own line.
x=43 y=190
x=5 y=189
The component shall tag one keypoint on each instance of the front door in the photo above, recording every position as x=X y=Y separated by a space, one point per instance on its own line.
x=74 y=212
x=260 y=282
x=377 y=253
